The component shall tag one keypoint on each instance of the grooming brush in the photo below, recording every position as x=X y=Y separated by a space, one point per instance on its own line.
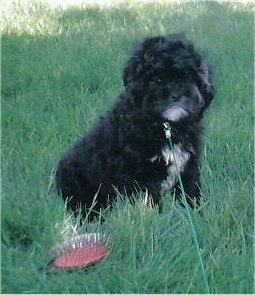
x=80 y=251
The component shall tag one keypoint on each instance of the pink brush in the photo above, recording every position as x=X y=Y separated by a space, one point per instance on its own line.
x=80 y=251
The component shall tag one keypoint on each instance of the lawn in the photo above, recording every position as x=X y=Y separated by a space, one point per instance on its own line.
x=61 y=69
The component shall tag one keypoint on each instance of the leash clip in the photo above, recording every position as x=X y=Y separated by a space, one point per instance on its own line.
x=167 y=129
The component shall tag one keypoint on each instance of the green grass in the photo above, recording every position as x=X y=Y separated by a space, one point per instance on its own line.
x=61 y=69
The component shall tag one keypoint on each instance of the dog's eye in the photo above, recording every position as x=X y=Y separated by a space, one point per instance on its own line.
x=174 y=96
x=160 y=80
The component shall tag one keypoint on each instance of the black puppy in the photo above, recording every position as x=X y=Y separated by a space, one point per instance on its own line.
x=166 y=81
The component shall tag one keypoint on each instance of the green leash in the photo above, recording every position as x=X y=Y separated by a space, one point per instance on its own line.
x=167 y=129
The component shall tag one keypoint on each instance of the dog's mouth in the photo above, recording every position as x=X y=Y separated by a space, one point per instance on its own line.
x=175 y=113
x=187 y=106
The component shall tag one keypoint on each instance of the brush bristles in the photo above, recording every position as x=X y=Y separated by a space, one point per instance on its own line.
x=81 y=241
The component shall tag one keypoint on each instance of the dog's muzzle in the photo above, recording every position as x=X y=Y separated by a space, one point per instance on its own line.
x=175 y=113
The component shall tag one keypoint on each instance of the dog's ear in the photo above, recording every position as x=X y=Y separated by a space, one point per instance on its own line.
x=133 y=70
x=134 y=88
x=206 y=81
x=132 y=73
x=127 y=73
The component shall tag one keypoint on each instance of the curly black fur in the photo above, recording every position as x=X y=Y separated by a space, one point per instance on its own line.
x=165 y=80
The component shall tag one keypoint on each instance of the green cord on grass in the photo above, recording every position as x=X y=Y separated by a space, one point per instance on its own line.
x=167 y=128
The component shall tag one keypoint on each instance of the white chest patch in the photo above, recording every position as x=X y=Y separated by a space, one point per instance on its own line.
x=181 y=158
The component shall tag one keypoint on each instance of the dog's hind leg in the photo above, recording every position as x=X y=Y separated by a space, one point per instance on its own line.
x=192 y=189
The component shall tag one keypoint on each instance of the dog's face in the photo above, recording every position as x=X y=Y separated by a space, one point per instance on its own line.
x=166 y=76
